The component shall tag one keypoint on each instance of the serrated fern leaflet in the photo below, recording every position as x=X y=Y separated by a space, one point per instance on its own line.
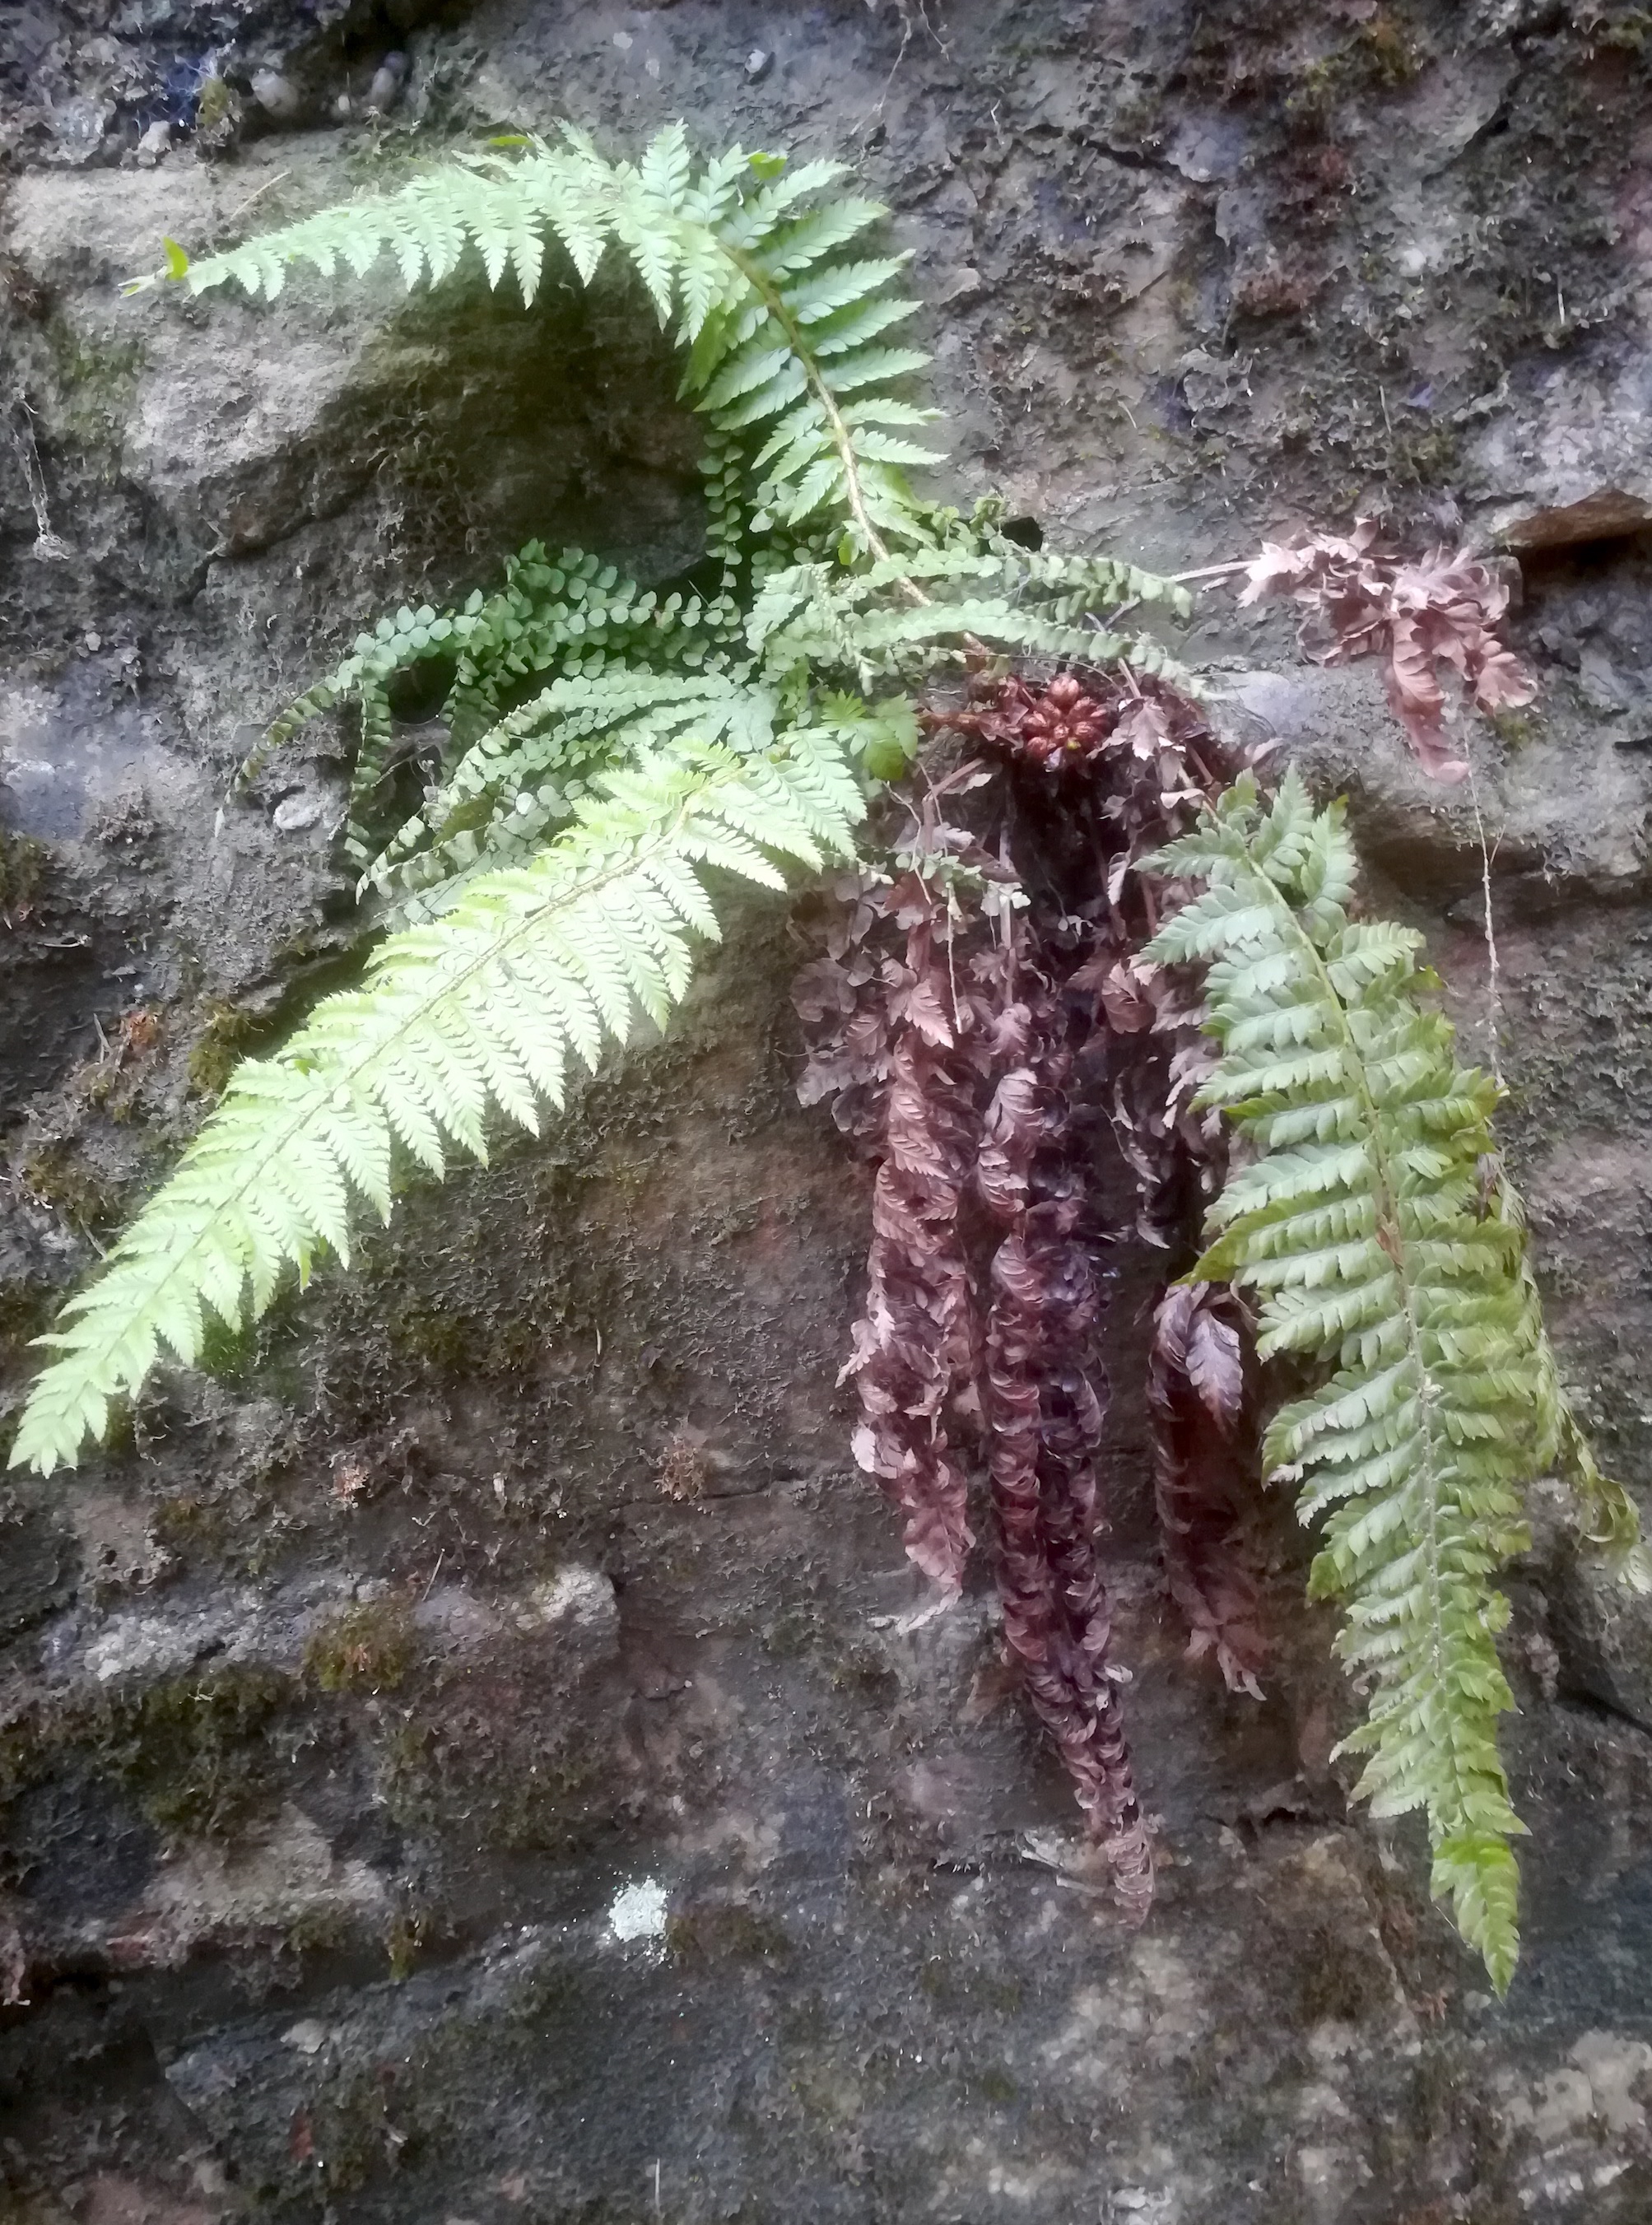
x=778 y=324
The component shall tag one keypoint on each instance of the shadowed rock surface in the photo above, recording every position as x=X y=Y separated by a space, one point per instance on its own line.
x=470 y=1759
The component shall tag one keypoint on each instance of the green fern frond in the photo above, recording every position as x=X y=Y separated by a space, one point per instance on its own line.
x=478 y=1014
x=528 y=774
x=571 y=614
x=807 y=451
x=774 y=319
x=1365 y=1225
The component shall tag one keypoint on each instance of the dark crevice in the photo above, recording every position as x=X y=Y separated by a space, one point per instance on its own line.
x=1599 y=1705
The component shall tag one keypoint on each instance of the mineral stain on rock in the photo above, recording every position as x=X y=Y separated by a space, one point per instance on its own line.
x=353 y=1696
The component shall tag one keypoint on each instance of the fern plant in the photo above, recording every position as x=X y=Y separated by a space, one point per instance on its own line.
x=1376 y=1225
x=613 y=753
x=607 y=744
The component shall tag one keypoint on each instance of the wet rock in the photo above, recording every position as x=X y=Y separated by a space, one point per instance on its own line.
x=295 y=813
x=1605 y=513
x=1571 y=462
x=385 y=87
x=416 y=1657
x=78 y=127
x=278 y=1875
x=277 y=95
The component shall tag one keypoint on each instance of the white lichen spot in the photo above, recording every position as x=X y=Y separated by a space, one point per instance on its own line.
x=639 y=1911
x=578 y=1596
x=1141 y=2205
x=1594 y=2087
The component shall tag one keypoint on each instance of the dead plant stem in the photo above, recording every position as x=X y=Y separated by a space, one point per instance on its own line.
x=1494 y=976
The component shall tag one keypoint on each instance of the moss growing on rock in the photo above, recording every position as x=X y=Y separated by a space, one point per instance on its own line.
x=58 y=1175
x=508 y=1793
x=22 y=875
x=1340 y=1984
x=229 y=1034
x=194 y=1750
x=367 y=1648
x=184 y=1521
x=430 y=1334
x=96 y=380
x=409 y=1930
x=734 y=1934
x=26 y=1309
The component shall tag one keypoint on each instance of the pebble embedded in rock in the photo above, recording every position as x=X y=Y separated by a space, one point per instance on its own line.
x=295 y=813
x=386 y=88
x=276 y=95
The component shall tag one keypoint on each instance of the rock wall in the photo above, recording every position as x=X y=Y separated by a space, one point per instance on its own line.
x=471 y=1757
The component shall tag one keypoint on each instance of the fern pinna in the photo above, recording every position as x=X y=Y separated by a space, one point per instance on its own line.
x=532 y=968
x=988 y=1008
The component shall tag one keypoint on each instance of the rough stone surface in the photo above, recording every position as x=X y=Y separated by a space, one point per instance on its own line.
x=414 y=1811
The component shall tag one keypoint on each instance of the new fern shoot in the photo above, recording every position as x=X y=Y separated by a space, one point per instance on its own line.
x=615 y=752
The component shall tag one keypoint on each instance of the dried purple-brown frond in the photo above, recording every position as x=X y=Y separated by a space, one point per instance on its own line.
x=993 y=1059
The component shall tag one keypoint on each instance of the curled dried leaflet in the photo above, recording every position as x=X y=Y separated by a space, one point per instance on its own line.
x=1365 y=599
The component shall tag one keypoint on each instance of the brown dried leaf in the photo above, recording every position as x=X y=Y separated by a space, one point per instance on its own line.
x=1214 y=1361
x=1441 y=611
x=925 y=1004
x=1197 y=1398
x=822 y=988
x=1124 y=998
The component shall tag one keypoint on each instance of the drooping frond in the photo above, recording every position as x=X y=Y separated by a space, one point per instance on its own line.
x=1373 y=1227
x=478 y=1014
x=740 y=256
